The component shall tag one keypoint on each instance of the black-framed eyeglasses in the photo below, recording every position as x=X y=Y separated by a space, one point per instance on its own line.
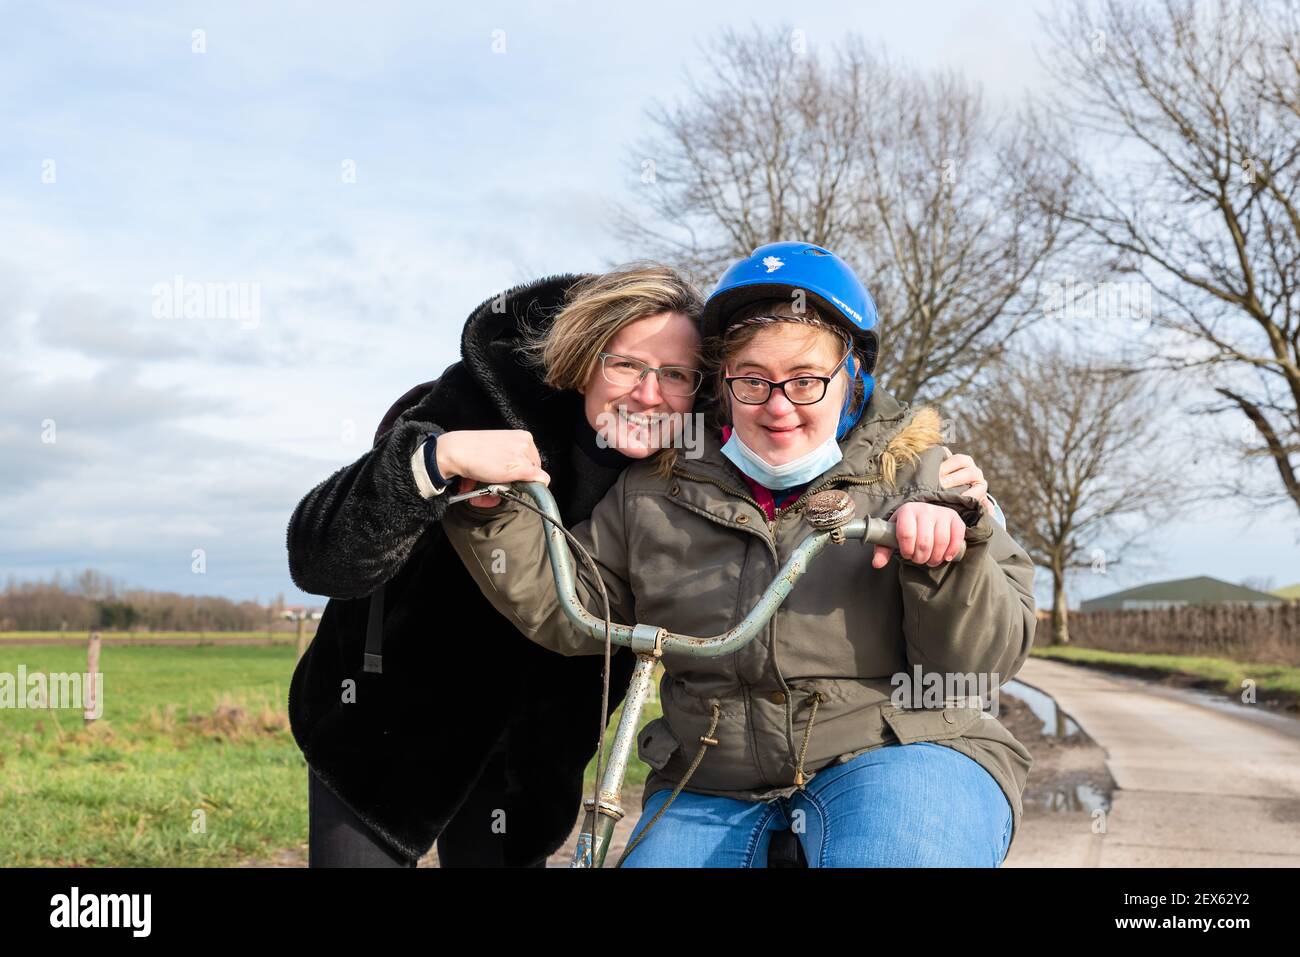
x=628 y=372
x=801 y=389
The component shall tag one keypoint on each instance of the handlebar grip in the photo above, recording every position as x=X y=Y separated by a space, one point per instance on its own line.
x=880 y=532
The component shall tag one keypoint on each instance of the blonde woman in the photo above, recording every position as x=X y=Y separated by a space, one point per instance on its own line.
x=422 y=713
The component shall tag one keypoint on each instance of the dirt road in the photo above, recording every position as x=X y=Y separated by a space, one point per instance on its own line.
x=1199 y=782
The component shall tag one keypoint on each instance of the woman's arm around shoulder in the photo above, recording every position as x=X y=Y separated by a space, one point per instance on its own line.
x=976 y=615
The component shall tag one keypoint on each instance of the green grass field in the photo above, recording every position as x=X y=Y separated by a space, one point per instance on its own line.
x=192 y=763
x=190 y=736
x=79 y=637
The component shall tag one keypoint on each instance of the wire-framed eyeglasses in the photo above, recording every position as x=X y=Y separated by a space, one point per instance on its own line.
x=628 y=372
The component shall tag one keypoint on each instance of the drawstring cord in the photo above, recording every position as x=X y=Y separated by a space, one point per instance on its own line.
x=816 y=698
x=706 y=740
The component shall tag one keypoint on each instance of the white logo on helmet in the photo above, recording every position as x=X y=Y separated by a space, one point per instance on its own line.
x=773 y=264
x=847 y=308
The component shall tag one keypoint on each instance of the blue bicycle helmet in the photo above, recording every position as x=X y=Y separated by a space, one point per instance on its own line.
x=776 y=271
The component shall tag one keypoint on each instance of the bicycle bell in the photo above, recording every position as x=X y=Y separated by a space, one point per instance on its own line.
x=829 y=511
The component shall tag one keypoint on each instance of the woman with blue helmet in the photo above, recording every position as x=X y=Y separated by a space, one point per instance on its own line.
x=818 y=726
x=797 y=273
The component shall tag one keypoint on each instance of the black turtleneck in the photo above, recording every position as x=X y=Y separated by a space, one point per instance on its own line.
x=588 y=441
x=595 y=469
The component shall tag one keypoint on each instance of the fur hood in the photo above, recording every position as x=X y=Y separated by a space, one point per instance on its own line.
x=922 y=431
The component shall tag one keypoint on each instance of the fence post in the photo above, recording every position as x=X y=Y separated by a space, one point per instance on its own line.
x=92 y=669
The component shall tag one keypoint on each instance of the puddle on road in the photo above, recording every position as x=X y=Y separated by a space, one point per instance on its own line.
x=1080 y=797
x=1056 y=723
x=1064 y=791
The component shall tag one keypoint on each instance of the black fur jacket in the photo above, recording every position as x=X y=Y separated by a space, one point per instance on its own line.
x=471 y=729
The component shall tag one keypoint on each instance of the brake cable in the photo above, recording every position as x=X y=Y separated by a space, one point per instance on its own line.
x=506 y=492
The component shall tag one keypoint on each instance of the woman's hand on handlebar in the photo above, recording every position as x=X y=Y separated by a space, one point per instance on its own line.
x=927 y=535
x=958 y=470
x=490 y=456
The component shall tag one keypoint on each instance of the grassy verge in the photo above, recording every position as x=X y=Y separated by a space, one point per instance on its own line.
x=192 y=763
x=78 y=638
x=1273 y=684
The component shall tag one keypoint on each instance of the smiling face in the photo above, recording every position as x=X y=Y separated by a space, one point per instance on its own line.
x=641 y=419
x=780 y=431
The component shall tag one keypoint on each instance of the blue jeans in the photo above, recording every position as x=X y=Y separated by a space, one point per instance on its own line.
x=900 y=805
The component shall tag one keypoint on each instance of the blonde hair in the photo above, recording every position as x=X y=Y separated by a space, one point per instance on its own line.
x=595 y=310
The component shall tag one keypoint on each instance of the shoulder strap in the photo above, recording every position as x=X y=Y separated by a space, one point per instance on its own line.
x=374 y=661
x=375 y=633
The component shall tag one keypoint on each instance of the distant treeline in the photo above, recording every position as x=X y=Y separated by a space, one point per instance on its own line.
x=92 y=600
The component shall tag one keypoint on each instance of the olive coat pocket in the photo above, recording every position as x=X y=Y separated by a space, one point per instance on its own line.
x=921 y=724
x=656 y=744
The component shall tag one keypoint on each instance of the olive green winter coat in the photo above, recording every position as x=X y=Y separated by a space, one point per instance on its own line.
x=693 y=553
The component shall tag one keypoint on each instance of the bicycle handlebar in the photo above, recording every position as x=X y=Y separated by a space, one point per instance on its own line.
x=647 y=638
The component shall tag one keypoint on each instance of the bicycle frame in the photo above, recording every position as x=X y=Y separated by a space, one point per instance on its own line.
x=649 y=642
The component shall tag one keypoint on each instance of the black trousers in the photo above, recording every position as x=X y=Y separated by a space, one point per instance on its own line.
x=338 y=838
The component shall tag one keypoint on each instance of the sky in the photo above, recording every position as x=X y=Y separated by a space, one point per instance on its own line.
x=362 y=176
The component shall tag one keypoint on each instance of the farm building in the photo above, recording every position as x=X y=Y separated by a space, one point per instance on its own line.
x=1179 y=593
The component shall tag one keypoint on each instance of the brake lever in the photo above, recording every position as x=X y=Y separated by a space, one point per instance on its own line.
x=479 y=493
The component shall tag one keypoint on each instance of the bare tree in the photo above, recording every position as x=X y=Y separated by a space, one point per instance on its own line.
x=1194 y=113
x=938 y=204
x=1072 y=446
x=94 y=585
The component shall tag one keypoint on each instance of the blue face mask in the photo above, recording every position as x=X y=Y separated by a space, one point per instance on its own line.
x=812 y=464
x=803 y=469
